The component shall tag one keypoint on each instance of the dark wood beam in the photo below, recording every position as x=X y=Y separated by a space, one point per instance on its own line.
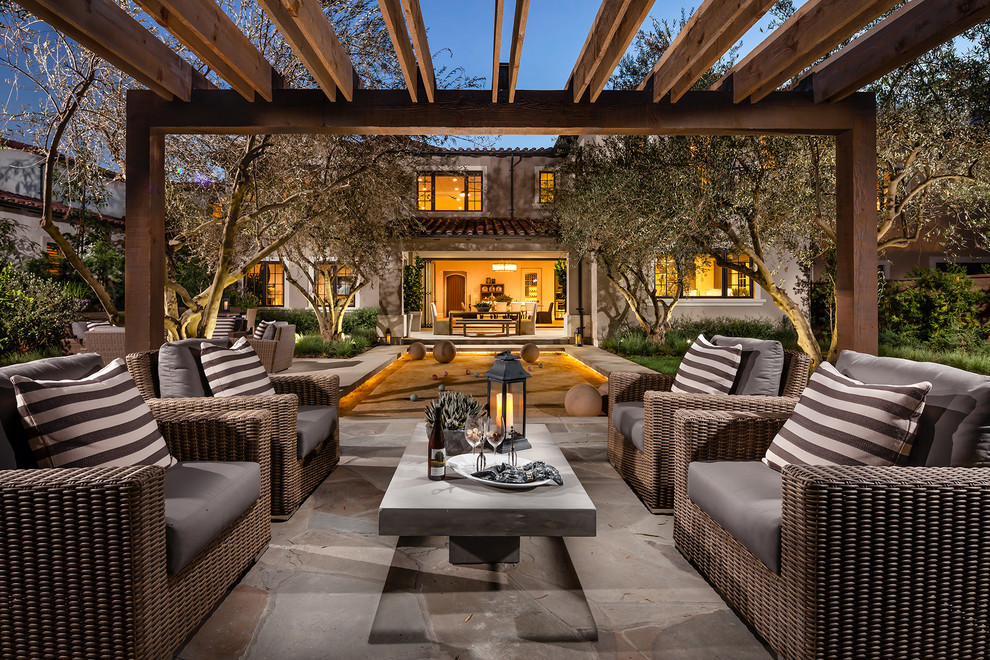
x=515 y=49
x=636 y=12
x=497 y=47
x=462 y=112
x=809 y=34
x=309 y=33
x=110 y=32
x=596 y=44
x=395 y=22
x=208 y=31
x=144 y=232
x=856 y=236
x=911 y=31
x=710 y=32
x=417 y=30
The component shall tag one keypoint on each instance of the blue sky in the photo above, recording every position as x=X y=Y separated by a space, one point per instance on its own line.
x=555 y=32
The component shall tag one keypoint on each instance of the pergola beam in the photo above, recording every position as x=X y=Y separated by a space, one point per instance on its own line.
x=206 y=30
x=110 y=32
x=417 y=31
x=516 y=46
x=396 y=25
x=809 y=34
x=596 y=44
x=497 y=47
x=910 y=32
x=709 y=34
x=311 y=36
x=635 y=13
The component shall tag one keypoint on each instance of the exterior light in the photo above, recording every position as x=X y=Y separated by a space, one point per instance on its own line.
x=388 y=336
x=507 y=399
x=502 y=267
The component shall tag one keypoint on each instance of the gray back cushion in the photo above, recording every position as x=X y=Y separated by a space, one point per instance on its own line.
x=180 y=373
x=14 y=449
x=79 y=329
x=954 y=429
x=761 y=367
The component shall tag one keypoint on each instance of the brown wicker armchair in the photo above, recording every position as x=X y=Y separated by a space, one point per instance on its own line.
x=873 y=561
x=276 y=354
x=107 y=342
x=83 y=550
x=650 y=471
x=293 y=479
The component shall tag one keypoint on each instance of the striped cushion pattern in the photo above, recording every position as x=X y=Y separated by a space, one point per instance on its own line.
x=98 y=325
x=259 y=330
x=707 y=368
x=234 y=371
x=98 y=421
x=841 y=421
x=224 y=326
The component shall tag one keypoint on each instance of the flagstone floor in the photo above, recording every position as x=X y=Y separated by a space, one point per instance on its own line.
x=330 y=587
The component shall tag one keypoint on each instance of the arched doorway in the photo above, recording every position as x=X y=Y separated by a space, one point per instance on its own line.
x=453 y=292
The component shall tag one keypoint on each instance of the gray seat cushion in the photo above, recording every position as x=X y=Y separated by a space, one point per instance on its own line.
x=954 y=429
x=79 y=329
x=180 y=373
x=314 y=424
x=202 y=499
x=628 y=418
x=744 y=497
x=14 y=449
x=761 y=368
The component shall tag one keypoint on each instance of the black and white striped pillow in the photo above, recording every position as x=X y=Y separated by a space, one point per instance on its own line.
x=707 y=368
x=841 y=421
x=259 y=330
x=98 y=421
x=97 y=325
x=234 y=371
x=224 y=326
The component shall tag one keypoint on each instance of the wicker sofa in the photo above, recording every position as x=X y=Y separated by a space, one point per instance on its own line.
x=649 y=471
x=869 y=561
x=298 y=405
x=85 y=553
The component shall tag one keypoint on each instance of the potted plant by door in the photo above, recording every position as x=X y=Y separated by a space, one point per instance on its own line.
x=412 y=294
x=457 y=408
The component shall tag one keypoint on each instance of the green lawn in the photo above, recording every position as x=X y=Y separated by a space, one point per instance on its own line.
x=663 y=364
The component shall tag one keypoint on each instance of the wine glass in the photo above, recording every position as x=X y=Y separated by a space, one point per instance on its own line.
x=475 y=430
x=495 y=437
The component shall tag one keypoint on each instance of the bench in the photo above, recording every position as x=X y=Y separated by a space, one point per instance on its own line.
x=505 y=324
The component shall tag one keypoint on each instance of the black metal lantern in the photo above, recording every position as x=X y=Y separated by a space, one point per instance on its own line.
x=388 y=336
x=507 y=399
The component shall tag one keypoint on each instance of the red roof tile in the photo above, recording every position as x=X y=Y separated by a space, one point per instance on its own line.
x=60 y=210
x=485 y=227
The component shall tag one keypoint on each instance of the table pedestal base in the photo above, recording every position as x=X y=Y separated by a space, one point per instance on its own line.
x=484 y=549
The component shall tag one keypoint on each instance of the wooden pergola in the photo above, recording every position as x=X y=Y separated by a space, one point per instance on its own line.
x=747 y=100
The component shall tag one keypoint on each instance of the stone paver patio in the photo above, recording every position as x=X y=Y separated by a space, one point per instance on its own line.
x=330 y=587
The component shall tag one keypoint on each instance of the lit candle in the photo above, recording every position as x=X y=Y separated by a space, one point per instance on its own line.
x=498 y=411
x=508 y=412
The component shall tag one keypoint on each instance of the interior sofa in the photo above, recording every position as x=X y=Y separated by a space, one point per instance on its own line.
x=641 y=411
x=305 y=445
x=848 y=561
x=125 y=561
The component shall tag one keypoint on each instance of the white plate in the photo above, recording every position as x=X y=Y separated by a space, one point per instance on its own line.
x=464 y=465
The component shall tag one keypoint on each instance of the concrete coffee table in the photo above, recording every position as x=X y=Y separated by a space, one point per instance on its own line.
x=484 y=523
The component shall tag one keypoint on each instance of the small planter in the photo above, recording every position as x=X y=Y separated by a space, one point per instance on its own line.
x=454 y=440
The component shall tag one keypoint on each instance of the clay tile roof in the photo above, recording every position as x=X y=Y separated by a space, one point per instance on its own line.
x=485 y=227
x=60 y=210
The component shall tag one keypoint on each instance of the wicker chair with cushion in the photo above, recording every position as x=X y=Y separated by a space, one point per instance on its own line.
x=306 y=441
x=848 y=561
x=107 y=341
x=640 y=421
x=125 y=561
x=277 y=347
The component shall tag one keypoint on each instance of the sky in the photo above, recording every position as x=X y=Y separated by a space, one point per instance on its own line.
x=460 y=34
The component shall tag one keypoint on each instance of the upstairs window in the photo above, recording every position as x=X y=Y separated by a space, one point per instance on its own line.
x=548 y=185
x=267 y=281
x=704 y=279
x=334 y=282
x=449 y=191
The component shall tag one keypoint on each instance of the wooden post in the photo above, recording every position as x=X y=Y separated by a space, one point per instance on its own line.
x=144 y=292
x=856 y=235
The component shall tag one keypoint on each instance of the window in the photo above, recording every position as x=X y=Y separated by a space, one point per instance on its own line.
x=267 y=281
x=531 y=289
x=341 y=280
x=56 y=265
x=449 y=191
x=548 y=185
x=704 y=279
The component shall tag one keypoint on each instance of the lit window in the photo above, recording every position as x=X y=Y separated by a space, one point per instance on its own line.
x=56 y=265
x=704 y=279
x=449 y=191
x=267 y=281
x=531 y=286
x=548 y=185
x=341 y=280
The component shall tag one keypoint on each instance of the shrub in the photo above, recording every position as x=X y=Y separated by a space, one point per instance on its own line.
x=341 y=349
x=33 y=312
x=309 y=346
x=633 y=341
x=304 y=319
x=941 y=305
x=412 y=286
x=29 y=356
x=362 y=318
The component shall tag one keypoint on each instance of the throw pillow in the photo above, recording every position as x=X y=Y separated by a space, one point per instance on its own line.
x=234 y=371
x=760 y=368
x=707 y=368
x=261 y=328
x=224 y=326
x=842 y=421
x=97 y=421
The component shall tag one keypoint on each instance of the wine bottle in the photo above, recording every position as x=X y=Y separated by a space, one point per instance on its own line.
x=437 y=457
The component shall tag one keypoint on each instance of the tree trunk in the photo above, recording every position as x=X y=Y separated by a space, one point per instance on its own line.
x=806 y=336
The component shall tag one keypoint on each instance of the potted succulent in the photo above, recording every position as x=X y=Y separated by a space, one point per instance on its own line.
x=483 y=306
x=457 y=408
